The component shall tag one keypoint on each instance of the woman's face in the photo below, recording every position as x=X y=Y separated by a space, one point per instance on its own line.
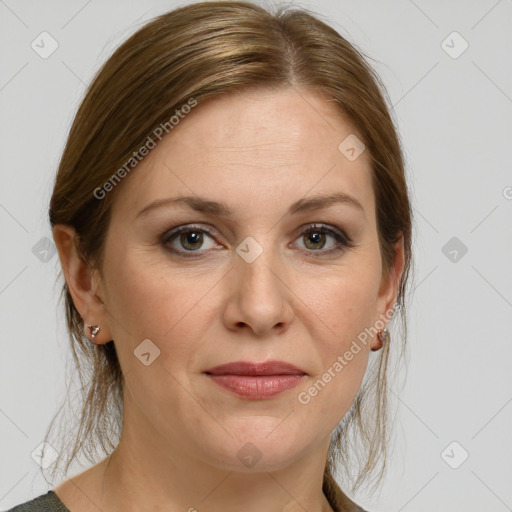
x=262 y=270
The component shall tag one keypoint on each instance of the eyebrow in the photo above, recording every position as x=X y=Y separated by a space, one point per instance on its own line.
x=203 y=205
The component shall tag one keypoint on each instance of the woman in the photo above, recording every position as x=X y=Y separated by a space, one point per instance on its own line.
x=234 y=229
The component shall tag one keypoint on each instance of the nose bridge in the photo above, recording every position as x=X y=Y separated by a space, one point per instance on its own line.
x=256 y=264
x=261 y=299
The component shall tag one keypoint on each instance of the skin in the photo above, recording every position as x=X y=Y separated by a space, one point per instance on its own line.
x=258 y=152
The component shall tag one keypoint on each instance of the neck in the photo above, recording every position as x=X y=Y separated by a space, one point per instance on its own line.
x=142 y=475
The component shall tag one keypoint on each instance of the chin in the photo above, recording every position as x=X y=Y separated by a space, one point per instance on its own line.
x=255 y=451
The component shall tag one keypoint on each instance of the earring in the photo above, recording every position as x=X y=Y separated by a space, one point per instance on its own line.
x=383 y=336
x=95 y=329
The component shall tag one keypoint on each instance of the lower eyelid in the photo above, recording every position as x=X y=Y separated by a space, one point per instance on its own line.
x=341 y=244
x=343 y=241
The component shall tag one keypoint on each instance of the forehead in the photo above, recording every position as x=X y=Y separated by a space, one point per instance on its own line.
x=259 y=146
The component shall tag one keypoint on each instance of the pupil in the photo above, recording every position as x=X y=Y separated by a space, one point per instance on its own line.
x=191 y=238
x=315 y=238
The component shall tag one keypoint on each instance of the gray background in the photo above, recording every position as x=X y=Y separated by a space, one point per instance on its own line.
x=455 y=119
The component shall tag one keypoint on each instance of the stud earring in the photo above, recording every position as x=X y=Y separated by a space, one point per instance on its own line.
x=383 y=336
x=95 y=329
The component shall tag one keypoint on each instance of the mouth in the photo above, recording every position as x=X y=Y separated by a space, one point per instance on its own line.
x=256 y=381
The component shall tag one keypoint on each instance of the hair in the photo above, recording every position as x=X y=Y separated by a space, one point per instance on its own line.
x=202 y=51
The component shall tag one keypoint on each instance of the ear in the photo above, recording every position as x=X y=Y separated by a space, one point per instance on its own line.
x=83 y=282
x=388 y=289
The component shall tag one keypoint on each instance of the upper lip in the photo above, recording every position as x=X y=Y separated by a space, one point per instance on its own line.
x=252 y=368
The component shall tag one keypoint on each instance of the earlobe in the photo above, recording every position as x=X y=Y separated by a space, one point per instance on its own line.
x=81 y=281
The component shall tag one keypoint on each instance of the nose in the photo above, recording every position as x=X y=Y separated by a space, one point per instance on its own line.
x=259 y=298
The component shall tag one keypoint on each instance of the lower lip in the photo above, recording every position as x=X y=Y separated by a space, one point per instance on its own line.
x=257 y=387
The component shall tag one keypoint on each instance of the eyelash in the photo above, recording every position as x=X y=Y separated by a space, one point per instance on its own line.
x=343 y=241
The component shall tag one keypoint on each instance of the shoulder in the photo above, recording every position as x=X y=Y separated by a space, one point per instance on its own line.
x=48 y=502
x=338 y=500
x=357 y=508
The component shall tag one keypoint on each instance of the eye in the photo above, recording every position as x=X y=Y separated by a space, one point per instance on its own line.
x=316 y=239
x=189 y=239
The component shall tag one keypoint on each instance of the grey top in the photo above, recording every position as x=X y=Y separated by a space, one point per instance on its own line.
x=48 y=502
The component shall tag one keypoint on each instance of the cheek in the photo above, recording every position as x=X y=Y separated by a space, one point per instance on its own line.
x=169 y=307
x=341 y=305
x=157 y=302
x=341 y=310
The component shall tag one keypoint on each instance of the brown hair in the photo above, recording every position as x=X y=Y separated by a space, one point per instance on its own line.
x=201 y=51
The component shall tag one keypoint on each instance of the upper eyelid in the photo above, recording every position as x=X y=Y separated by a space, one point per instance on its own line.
x=168 y=235
x=211 y=230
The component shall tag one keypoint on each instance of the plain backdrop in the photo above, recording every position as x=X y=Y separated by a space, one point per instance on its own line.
x=448 y=69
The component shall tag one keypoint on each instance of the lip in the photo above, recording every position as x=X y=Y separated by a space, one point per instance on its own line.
x=256 y=381
x=250 y=368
